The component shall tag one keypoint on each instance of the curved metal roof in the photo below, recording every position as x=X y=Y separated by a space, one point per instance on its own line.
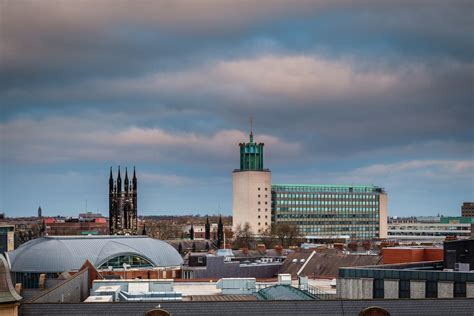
x=67 y=253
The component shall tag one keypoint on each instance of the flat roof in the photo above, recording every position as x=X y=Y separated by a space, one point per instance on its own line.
x=325 y=185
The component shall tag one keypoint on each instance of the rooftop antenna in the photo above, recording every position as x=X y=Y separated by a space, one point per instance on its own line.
x=251 y=129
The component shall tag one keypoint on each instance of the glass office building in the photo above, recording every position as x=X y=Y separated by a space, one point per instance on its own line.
x=331 y=211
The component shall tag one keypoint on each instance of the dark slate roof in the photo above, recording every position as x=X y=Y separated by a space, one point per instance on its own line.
x=418 y=307
x=68 y=253
x=7 y=291
x=325 y=264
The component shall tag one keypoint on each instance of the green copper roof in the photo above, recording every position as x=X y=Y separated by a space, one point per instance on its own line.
x=251 y=156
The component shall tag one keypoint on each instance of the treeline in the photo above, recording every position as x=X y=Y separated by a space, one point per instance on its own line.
x=189 y=219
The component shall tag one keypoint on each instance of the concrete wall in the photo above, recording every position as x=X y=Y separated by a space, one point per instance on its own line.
x=390 y=288
x=470 y=289
x=393 y=255
x=383 y=216
x=354 y=288
x=154 y=285
x=245 y=199
x=445 y=289
x=73 y=290
x=417 y=289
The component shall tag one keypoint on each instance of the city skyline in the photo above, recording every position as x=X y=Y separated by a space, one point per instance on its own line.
x=379 y=94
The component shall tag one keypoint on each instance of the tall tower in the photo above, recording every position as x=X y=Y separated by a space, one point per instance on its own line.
x=123 y=217
x=251 y=189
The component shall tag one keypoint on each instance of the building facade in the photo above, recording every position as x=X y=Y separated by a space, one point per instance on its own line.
x=467 y=209
x=251 y=189
x=123 y=205
x=7 y=238
x=319 y=211
x=331 y=211
x=415 y=229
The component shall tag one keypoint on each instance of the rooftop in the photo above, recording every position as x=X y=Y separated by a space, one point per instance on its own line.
x=68 y=253
x=329 y=187
x=7 y=291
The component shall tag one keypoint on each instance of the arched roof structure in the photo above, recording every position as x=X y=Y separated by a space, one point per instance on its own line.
x=68 y=253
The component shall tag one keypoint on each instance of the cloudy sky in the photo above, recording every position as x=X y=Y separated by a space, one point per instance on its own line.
x=375 y=93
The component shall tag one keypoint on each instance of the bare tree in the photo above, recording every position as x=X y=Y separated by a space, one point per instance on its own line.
x=242 y=235
x=163 y=230
x=286 y=233
x=267 y=237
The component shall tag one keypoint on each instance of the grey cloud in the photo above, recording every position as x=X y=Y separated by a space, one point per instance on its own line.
x=55 y=42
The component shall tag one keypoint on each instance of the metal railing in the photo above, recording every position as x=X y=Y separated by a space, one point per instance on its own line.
x=319 y=294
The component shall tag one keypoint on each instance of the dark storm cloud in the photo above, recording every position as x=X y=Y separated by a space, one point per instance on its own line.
x=55 y=41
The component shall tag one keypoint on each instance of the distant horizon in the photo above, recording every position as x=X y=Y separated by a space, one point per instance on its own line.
x=105 y=214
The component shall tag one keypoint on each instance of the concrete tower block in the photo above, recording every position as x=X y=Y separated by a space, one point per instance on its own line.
x=251 y=191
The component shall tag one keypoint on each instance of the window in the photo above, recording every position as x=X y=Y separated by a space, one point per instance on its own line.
x=404 y=289
x=459 y=289
x=378 y=288
x=133 y=261
x=431 y=289
x=259 y=195
x=259 y=189
x=258 y=223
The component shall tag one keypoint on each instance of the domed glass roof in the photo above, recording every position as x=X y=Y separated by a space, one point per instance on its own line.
x=68 y=253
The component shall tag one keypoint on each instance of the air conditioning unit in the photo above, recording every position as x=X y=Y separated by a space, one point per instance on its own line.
x=462 y=267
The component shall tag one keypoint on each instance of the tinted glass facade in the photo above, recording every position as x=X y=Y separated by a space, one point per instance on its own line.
x=325 y=211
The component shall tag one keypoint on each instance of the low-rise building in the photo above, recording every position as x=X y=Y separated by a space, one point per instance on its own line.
x=50 y=256
x=433 y=279
x=429 y=231
x=467 y=209
x=209 y=266
x=7 y=238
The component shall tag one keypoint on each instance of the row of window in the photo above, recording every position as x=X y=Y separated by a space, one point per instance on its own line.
x=327 y=196
x=325 y=229
x=329 y=189
x=318 y=202
x=327 y=209
x=328 y=216
x=337 y=225
x=332 y=223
